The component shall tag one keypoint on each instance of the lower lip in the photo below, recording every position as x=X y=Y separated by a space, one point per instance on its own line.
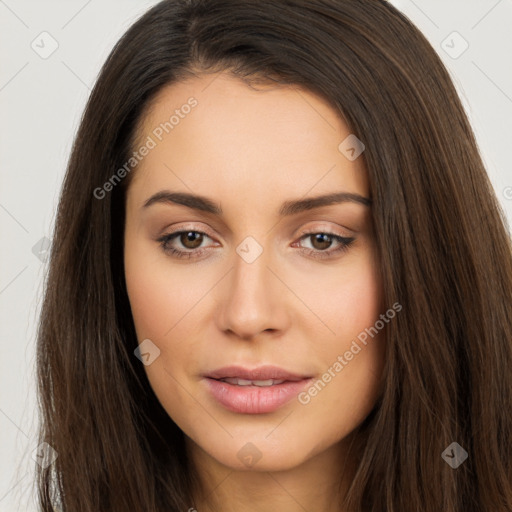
x=255 y=399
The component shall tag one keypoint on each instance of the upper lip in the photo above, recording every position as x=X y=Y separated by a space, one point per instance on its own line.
x=259 y=373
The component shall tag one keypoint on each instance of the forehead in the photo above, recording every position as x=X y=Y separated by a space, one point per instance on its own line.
x=218 y=134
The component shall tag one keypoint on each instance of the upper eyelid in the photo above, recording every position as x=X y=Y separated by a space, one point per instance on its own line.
x=172 y=231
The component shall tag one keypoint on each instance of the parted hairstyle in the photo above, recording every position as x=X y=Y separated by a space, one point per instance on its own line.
x=443 y=242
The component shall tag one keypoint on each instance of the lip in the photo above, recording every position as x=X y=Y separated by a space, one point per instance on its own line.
x=260 y=373
x=254 y=399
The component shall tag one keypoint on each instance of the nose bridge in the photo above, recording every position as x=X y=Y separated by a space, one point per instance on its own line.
x=251 y=301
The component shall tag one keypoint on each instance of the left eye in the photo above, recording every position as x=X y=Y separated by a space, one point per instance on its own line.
x=326 y=239
x=191 y=240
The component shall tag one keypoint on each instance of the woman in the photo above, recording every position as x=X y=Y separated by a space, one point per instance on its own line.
x=280 y=276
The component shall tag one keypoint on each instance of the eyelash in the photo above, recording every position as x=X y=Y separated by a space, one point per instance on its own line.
x=344 y=242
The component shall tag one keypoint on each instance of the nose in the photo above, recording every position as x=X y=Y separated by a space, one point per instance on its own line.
x=252 y=299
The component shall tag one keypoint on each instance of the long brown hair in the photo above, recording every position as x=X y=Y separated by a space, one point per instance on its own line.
x=443 y=242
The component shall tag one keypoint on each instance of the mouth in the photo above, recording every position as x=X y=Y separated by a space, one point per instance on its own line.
x=260 y=383
x=262 y=374
x=257 y=391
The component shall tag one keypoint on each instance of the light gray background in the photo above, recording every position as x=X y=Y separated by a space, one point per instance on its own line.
x=41 y=102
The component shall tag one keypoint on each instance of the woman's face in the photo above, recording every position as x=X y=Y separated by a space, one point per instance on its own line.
x=263 y=275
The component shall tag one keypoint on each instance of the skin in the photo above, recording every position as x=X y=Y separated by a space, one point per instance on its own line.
x=249 y=150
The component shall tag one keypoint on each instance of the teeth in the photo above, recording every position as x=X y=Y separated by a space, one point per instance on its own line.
x=243 y=382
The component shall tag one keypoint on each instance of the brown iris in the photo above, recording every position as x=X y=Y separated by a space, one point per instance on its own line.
x=324 y=240
x=191 y=237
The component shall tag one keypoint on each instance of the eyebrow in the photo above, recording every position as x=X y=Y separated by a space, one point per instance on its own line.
x=288 y=208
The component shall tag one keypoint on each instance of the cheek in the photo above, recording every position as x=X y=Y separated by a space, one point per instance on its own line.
x=159 y=295
x=346 y=300
x=150 y=300
x=352 y=349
